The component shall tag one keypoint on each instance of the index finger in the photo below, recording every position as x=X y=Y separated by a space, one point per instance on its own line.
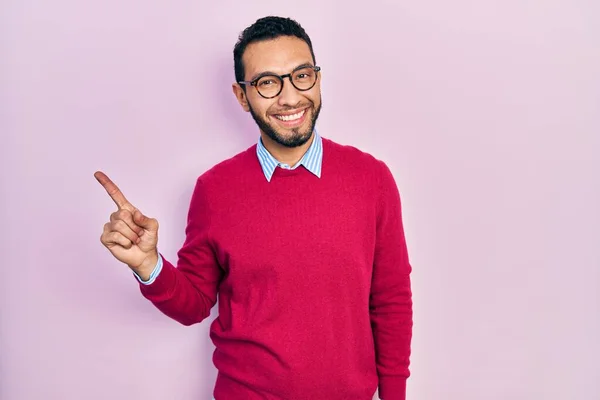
x=113 y=191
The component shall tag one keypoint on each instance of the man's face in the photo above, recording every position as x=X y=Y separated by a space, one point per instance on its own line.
x=289 y=118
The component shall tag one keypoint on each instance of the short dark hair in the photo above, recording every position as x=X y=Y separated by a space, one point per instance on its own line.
x=266 y=28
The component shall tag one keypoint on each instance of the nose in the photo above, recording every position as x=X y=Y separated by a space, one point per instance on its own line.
x=289 y=96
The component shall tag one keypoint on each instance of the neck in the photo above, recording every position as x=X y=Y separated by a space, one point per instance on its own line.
x=283 y=154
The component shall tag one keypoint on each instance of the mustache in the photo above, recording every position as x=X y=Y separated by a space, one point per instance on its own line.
x=290 y=108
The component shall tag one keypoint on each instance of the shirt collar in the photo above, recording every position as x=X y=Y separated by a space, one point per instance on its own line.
x=311 y=160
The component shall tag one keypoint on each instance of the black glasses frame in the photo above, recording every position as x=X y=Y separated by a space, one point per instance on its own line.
x=281 y=79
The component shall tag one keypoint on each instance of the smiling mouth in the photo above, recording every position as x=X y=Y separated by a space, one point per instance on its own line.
x=291 y=117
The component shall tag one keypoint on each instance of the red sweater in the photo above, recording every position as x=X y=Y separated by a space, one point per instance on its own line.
x=312 y=274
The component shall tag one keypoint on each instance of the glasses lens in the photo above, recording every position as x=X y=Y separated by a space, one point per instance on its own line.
x=269 y=86
x=304 y=78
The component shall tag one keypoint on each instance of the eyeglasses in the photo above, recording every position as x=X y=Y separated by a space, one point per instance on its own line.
x=270 y=86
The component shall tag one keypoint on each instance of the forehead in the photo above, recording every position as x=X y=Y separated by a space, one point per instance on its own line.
x=279 y=55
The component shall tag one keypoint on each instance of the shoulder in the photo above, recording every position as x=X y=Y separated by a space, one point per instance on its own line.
x=230 y=168
x=356 y=159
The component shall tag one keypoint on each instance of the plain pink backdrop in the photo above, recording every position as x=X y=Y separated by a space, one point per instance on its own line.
x=487 y=113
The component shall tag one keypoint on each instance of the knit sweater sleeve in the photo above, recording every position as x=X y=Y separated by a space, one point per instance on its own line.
x=187 y=292
x=391 y=296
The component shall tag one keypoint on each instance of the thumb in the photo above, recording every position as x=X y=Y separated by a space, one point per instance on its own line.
x=150 y=224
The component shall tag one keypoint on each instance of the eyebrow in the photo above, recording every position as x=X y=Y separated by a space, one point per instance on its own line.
x=265 y=73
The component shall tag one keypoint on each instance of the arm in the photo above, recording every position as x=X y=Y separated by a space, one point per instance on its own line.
x=187 y=292
x=391 y=296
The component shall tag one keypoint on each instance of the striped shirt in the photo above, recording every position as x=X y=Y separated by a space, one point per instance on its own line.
x=311 y=160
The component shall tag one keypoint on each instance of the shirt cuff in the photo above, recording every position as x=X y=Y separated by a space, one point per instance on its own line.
x=154 y=274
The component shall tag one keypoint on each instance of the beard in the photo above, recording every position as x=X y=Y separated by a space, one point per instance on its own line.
x=297 y=138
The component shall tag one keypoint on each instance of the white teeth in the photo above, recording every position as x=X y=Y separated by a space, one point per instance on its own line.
x=290 y=117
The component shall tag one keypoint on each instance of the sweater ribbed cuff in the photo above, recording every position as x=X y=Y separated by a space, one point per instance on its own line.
x=162 y=287
x=392 y=388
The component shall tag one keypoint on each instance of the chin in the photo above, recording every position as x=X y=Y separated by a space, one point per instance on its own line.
x=289 y=139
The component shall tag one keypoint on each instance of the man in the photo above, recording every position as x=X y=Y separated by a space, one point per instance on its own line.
x=300 y=237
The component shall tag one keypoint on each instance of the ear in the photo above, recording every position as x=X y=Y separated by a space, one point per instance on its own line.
x=240 y=95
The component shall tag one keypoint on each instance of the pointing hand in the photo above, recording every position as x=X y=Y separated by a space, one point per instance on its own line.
x=130 y=236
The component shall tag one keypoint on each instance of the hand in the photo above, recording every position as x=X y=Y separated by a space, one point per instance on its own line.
x=130 y=236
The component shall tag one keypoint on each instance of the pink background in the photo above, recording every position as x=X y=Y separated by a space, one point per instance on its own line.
x=487 y=113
